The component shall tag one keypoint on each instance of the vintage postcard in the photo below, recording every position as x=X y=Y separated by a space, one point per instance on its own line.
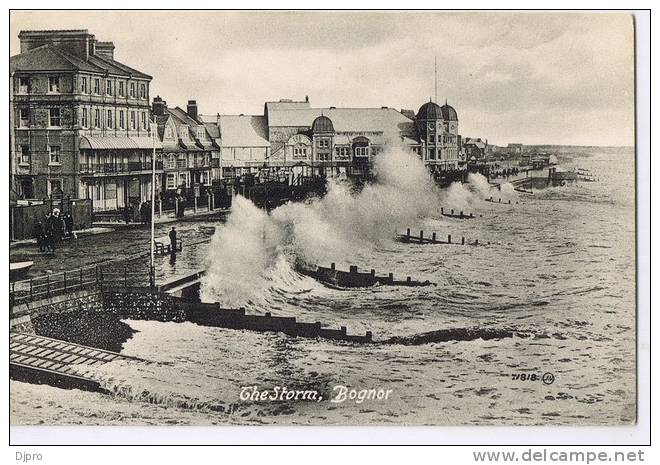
x=360 y=218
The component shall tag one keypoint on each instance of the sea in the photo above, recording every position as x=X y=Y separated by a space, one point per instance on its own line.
x=554 y=271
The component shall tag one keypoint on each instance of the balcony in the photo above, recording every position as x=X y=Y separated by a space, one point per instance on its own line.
x=200 y=164
x=118 y=168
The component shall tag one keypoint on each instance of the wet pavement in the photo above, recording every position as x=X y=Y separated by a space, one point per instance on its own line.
x=127 y=244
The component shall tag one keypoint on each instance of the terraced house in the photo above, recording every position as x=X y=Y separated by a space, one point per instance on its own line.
x=190 y=152
x=81 y=121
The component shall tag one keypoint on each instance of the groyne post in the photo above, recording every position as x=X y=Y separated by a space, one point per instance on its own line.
x=408 y=233
x=449 y=238
x=421 y=235
x=463 y=240
x=332 y=266
x=390 y=277
x=433 y=237
x=442 y=210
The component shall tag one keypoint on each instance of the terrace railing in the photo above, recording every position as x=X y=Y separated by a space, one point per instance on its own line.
x=57 y=284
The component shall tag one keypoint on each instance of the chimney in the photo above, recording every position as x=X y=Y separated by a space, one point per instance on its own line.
x=78 y=42
x=105 y=50
x=191 y=109
x=158 y=107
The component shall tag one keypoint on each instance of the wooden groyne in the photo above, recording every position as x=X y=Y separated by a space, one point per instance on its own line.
x=206 y=314
x=408 y=238
x=459 y=215
x=499 y=200
x=354 y=278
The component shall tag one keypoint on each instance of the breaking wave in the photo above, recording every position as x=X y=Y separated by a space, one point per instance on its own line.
x=255 y=248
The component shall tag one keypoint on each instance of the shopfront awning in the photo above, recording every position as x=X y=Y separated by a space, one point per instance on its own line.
x=118 y=143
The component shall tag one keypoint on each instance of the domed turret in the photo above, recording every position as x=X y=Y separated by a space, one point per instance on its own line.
x=322 y=124
x=429 y=110
x=448 y=113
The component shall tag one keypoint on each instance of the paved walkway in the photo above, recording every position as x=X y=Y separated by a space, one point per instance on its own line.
x=118 y=243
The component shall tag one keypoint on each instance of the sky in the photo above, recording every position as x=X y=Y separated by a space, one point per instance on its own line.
x=533 y=78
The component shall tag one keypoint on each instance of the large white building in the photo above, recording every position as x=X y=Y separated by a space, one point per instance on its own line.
x=293 y=136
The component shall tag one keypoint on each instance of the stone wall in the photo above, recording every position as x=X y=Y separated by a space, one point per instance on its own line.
x=79 y=301
x=143 y=304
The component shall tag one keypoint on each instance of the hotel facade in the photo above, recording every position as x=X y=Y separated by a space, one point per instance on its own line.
x=292 y=135
x=81 y=121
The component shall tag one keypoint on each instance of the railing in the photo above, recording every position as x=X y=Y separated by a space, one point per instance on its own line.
x=200 y=164
x=46 y=287
x=119 y=167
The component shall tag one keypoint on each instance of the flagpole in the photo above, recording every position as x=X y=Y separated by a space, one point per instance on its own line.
x=435 y=74
x=152 y=269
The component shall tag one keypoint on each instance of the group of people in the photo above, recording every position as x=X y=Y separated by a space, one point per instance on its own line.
x=505 y=173
x=145 y=212
x=54 y=228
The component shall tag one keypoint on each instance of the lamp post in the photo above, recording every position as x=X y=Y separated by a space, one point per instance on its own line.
x=152 y=268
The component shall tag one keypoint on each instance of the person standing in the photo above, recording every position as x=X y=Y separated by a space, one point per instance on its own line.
x=173 y=241
x=38 y=233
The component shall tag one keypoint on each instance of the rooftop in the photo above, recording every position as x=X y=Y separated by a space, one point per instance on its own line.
x=51 y=57
x=343 y=119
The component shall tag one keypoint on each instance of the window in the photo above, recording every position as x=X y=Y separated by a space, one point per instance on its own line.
x=171 y=181
x=24 y=118
x=24 y=85
x=108 y=87
x=54 y=151
x=324 y=143
x=54 y=185
x=54 y=84
x=83 y=84
x=132 y=90
x=144 y=120
x=171 y=161
x=143 y=91
x=122 y=124
x=25 y=154
x=121 y=88
x=109 y=119
x=97 y=86
x=84 y=118
x=200 y=133
x=361 y=151
x=97 y=118
x=54 y=117
x=133 y=122
x=168 y=133
x=431 y=154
